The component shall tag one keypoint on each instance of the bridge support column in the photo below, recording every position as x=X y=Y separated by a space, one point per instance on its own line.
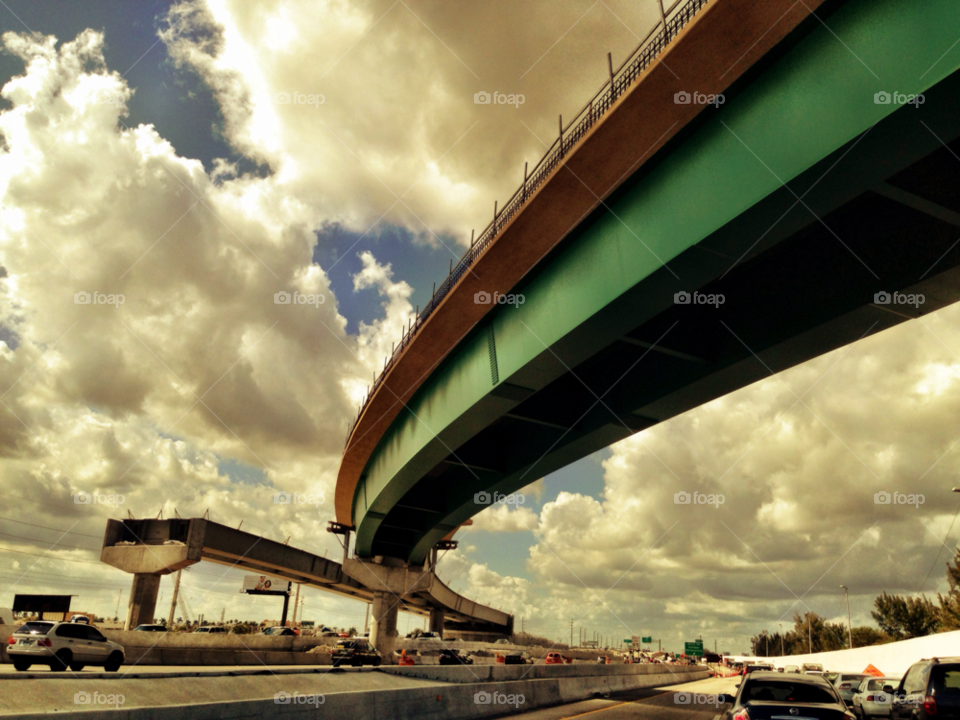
x=436 y=621
x=143 y=600
x=383 y=630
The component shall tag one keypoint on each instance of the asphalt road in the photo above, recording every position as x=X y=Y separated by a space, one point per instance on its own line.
x=690 y=701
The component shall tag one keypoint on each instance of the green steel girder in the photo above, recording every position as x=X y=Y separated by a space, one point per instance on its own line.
x=518 y=398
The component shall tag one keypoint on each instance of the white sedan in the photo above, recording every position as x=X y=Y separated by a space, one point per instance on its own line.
x=871 y=701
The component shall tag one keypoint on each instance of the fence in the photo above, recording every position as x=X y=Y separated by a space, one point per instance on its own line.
x=673 y=20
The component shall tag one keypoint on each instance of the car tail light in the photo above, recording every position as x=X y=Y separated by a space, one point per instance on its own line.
x=870 y=698
x=930 y=705
x=45 y=642
x=742 y=714
x=11 y=640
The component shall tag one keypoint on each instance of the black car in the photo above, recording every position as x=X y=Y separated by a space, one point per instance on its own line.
x=930 y=688
x=453 y=657
x=355 y=652
x=277 y=630
x=517 y=658
x=764 y=695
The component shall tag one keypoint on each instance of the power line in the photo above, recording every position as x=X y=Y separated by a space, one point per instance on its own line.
x=49 y=557
x=939 y=549
x=38 y=540
x=72 y=532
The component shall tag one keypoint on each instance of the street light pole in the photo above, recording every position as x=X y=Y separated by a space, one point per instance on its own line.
x=849 y=625
x=781 y=639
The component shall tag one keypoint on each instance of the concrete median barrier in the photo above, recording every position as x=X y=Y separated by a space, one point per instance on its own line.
x=290 y=693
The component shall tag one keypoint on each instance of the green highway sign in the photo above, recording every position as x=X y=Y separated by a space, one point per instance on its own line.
x=695 y=649
x=647 y=639
x=628 y=641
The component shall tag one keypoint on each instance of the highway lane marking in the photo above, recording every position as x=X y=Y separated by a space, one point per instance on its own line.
x=611 y=707
x=591 y=712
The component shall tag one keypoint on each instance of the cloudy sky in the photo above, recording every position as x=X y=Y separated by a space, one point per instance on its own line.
x=199 y=157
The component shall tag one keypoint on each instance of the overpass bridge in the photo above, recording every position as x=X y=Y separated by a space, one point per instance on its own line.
x=817 y=188
x=151 y=548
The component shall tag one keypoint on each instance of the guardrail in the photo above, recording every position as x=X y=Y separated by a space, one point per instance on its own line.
x=672 y=21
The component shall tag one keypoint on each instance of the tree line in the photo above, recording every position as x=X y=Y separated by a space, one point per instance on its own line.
x=899 y=617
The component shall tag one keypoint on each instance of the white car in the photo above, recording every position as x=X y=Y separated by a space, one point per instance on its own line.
x=870 y=699
x=62 y=645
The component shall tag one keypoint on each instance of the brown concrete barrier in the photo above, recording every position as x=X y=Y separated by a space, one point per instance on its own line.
x=360 y=696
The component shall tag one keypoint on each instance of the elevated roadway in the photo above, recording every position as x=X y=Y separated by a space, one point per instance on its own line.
x=151 y=548
x=812 y=192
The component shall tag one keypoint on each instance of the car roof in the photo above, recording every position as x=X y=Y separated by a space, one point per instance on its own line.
x=810 y=679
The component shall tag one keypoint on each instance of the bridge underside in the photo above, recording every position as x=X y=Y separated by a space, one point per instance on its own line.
x=799 y=268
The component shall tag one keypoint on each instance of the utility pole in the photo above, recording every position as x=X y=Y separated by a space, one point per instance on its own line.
x=571 y=630
x=118 y=604
x=781 y=639
x=296 y=604
x=810 y=632
x=849 y=624
x=366 y=619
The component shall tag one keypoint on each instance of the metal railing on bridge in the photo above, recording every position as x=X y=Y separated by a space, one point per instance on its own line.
x=673 y=19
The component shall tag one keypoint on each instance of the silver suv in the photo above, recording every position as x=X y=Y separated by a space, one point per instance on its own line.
x=62 y=645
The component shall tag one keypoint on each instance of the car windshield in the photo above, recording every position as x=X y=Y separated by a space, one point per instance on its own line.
x=35 y=628
x=945 y=680
x=852 y=678
x=783 y=691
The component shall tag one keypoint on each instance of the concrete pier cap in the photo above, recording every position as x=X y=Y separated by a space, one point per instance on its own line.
x=132 y=547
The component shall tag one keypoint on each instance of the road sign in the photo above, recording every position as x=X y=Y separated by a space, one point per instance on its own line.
x=647 y=639
x=694 y=649
x=628 y=641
